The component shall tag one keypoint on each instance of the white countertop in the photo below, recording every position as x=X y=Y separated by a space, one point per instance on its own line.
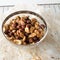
x=49 y=49
x=13 y=2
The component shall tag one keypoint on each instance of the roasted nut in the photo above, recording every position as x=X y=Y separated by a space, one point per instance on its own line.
x=18 y=42
x=11 y=28
x=26 y=34
x=22 y=22
x=27 y=41
x=40 y=30
x=36 y=39
x=33 y=42
x=6 y=32
x=16 y=37
x=10 y=34
x=18 y=21
x=17 y=32
x=33 y=20
x=25 y=17
x=27 y=30
x=18 y=27
x=18 y=18
x=32 y=29
x=37 y=33
x=24 y=43
x=24 y=38
x=42 y=26
x=13 y=31
x=6 y=27
x=12 y=22
x=28 y=21
x=14 y=25
x=21 y=35
x=32 y=35
x=28 y=25
x=23 y=26
x=11 y=38
x=37 y=25
x=42 y=34
x=21 y=30
x=30 y=40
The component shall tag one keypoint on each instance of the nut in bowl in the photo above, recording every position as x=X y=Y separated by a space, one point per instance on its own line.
x=24 y=28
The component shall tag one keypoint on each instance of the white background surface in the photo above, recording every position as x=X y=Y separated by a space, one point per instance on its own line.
x=13 y=2
x=49 y=48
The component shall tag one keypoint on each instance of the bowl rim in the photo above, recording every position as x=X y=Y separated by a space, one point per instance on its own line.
x=28 y=12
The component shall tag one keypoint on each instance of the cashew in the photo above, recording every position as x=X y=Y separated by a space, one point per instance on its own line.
x=27 y=30
x=32 y=35
x=17 y=42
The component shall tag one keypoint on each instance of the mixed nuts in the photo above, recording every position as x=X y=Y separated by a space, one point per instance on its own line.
x=23 y=30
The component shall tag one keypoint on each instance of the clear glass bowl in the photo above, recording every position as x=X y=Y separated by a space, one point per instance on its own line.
x=31 y=14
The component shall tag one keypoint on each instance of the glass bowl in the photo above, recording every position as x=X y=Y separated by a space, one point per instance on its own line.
x=31 y=14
